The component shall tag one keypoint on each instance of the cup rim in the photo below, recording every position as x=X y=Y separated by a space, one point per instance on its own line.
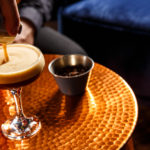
x=68 y=77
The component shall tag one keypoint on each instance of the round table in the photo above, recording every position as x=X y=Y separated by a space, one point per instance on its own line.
x=104 y=117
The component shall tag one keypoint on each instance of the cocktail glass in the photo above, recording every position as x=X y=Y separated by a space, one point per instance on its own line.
x=21 y=127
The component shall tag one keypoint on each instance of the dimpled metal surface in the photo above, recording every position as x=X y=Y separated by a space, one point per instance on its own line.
x=104 y=117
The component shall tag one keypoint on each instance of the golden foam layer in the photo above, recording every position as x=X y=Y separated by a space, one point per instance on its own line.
x=25 y=61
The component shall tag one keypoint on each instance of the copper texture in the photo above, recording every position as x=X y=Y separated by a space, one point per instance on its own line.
x=104 y=117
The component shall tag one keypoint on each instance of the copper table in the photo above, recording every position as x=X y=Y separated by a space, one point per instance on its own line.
x=104 y=117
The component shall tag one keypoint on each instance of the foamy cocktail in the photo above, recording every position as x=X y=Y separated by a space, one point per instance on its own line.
x=25 y=64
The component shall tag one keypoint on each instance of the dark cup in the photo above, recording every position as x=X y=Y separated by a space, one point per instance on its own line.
x=71 y=73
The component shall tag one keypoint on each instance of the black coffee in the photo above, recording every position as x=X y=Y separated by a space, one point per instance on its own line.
x=71 y=70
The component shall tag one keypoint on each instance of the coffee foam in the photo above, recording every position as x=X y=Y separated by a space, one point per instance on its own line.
x=25 y=61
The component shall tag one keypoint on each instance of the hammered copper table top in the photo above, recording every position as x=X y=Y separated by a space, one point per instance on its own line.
x=103 y=117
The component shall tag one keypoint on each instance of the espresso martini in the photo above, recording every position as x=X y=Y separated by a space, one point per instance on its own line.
x=24 y=63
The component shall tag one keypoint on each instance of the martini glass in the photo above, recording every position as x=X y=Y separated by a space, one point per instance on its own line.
x=21 y=127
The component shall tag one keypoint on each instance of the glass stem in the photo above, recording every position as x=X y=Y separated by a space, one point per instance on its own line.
x=16 y=92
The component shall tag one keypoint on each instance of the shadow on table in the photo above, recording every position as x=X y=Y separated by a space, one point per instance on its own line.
x=59 y=110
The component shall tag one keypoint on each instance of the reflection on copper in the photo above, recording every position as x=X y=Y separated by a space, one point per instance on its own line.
x=11 y=103
x=18 y=145
x=91 y=99
x=8 y=98
x=12 y=110
x=23 y=144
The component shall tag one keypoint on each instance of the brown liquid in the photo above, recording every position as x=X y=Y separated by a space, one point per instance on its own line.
x=5 y=53
x=71 y=70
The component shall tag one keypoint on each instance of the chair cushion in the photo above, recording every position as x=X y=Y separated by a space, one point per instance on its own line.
x=120 y=13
